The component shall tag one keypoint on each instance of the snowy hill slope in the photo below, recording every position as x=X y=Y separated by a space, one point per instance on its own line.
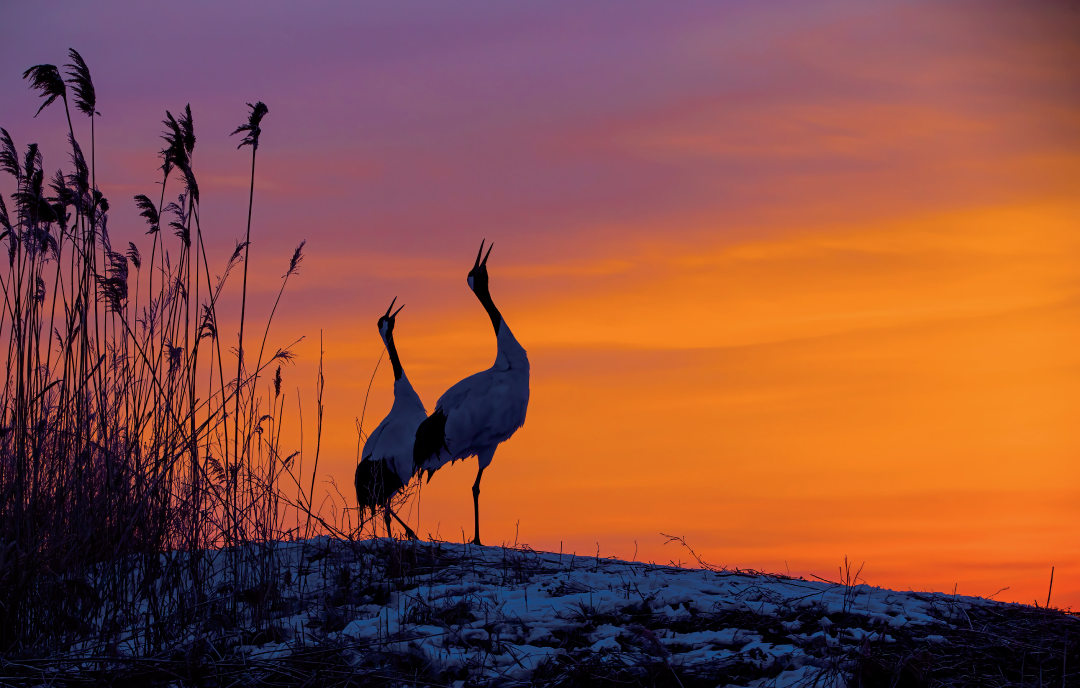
x=401 y=613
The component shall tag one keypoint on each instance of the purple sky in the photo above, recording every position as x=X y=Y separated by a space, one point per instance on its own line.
x=406 y=128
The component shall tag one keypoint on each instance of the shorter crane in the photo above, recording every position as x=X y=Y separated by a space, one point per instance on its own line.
x=386 y=465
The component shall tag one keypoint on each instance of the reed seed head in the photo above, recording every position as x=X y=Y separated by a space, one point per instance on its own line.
x=9 y=155
x=79 y=73
x=297 y=257
x=149 y=212
x=252 y=126
x=134 y=256
x=46 y=78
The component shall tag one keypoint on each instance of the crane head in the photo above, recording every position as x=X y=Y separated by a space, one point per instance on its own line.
x=386 y=322
x=478 y=276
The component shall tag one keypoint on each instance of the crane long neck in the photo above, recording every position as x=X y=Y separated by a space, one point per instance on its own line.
x=489 y=306
x=394 y=360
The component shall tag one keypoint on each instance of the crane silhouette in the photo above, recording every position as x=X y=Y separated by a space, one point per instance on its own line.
x=386 y=465
x=482 y=411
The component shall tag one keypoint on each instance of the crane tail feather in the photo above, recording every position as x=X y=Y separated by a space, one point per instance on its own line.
x=430 y=438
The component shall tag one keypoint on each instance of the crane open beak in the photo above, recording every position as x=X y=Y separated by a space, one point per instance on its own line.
x=476 y=265
x=391 y=307
x=490 y=246
x=397 y=311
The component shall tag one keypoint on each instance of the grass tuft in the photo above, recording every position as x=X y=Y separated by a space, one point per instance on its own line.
x=128 y=458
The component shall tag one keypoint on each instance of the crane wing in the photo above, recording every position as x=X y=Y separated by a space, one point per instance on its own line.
x=392 y=442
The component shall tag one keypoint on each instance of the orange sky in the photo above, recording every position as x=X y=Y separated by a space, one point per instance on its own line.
x=903 y=394
x=795 y=284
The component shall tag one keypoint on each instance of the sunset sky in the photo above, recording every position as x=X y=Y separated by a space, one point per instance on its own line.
x=798 y=281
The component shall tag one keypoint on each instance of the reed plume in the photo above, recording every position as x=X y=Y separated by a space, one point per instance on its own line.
x=46 y=78
x=79 y=78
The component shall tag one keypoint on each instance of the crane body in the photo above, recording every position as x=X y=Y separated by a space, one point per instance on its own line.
x=386 y=465
x=482 y=411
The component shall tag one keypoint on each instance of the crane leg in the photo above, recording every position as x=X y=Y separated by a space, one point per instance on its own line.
x=386 y=515
x=408 y=531
x=476 y=506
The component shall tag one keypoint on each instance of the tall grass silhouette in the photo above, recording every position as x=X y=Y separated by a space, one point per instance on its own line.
x=122 y=473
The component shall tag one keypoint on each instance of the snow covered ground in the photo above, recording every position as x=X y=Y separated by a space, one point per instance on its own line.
x=506 y=614
x=425 y=613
